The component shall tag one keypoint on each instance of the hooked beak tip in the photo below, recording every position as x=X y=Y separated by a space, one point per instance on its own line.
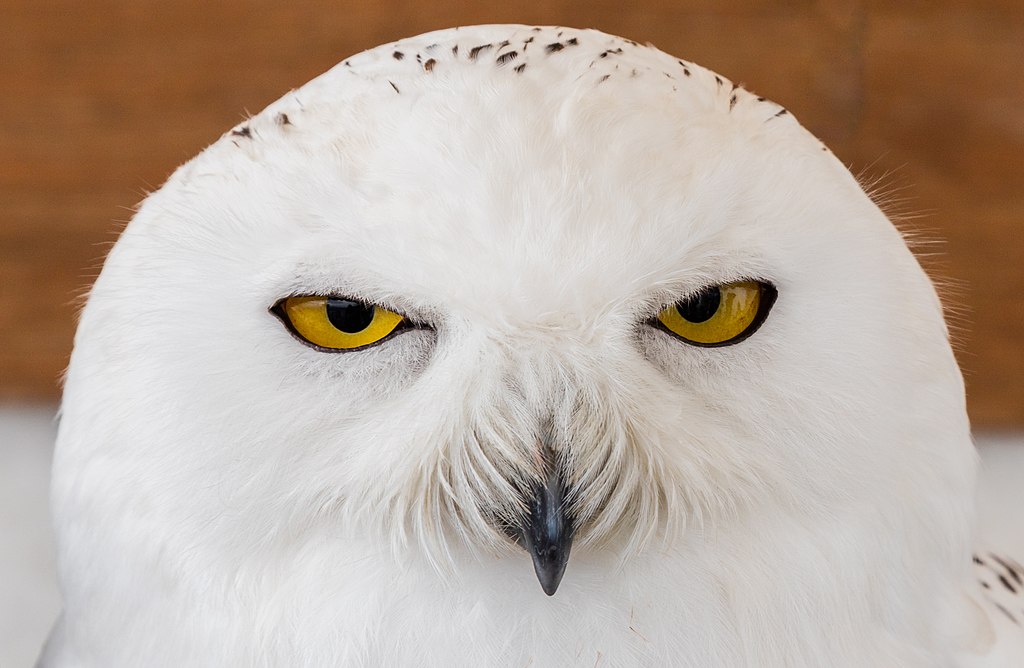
x=548 y=533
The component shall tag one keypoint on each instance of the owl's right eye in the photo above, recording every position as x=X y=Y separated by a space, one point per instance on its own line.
x=337 y=324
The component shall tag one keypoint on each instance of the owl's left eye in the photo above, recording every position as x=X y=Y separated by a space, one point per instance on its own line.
x=336 y=324
x=719 y=315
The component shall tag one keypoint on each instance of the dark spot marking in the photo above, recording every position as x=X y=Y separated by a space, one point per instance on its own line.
x=686 y=71
x=429 y=65
x=761 y=99
x=503 y=44
x=668 y=75
x=1009 y=569
x=282 y=119
x=572 y=42
x=395 y=87
x=529 y=39
x=1006 y=583
x=418 y=59
x=629 y=41
x=611 y=52
x=824 y=148
x=633 y=73
x=1006 y=612
x=431 y=47
x=603 y=79
x=535 y=29
x=455 y=50
x=519 y=68
x=732 y=102
x=718 y=80
x=985 y=584
x=780 y=112
x=554 y=47
x=477 y=50
x=243 y=131
x=506 y=57
x=398 y=55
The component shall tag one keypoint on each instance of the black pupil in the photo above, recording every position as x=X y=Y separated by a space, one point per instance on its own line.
x=701 y=306
x=349 y=316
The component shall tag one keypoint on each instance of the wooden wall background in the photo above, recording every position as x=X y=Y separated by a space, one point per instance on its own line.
x=101 y=99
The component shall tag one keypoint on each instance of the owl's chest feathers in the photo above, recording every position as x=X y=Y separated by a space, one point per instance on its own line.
x=658 y=609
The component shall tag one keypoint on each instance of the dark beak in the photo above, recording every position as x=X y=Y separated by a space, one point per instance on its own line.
x=547 y=533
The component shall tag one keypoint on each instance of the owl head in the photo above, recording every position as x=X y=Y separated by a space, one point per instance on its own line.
x=487 y=296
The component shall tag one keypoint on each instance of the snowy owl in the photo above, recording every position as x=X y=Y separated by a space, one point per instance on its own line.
x=502 y=304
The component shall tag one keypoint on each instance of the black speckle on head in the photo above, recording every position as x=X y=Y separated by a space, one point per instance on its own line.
x=528 y=39
x=780 y=112
x=985 y=584
x=686 y=71
x=1011 y=569
x=633 y=73
x=519 y=68
x=536 y=29
x=282 y=119
x=243 y=131
x=1006 y=612
x=477 y=50
x=418 y=59
x=631 y=42
x=506 y=57
x=455 y=50
x=554 y=47
x=732 y=102
x=572 y=42
x=431 y=47
x=761 y=99
x=398 y=55
x=1006 y=583
x=718 y=80
x=347 y=64
x=604 y=78
x=395 y=87
x=503 y=44
x=429 y=65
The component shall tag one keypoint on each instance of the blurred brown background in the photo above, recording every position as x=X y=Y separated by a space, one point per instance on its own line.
x=101 y=99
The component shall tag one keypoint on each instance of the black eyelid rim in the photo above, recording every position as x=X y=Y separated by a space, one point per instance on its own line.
x=769 y=293
x=404 y=325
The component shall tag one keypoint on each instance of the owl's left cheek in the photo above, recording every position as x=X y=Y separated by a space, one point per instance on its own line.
x=548 y=531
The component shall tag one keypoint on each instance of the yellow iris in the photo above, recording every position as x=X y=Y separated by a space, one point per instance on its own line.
x=718 y=315
x=336 y=323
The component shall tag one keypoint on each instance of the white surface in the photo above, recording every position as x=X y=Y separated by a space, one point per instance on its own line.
x=29 y=601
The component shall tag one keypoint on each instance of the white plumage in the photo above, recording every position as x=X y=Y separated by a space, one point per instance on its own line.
x=529 y=200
